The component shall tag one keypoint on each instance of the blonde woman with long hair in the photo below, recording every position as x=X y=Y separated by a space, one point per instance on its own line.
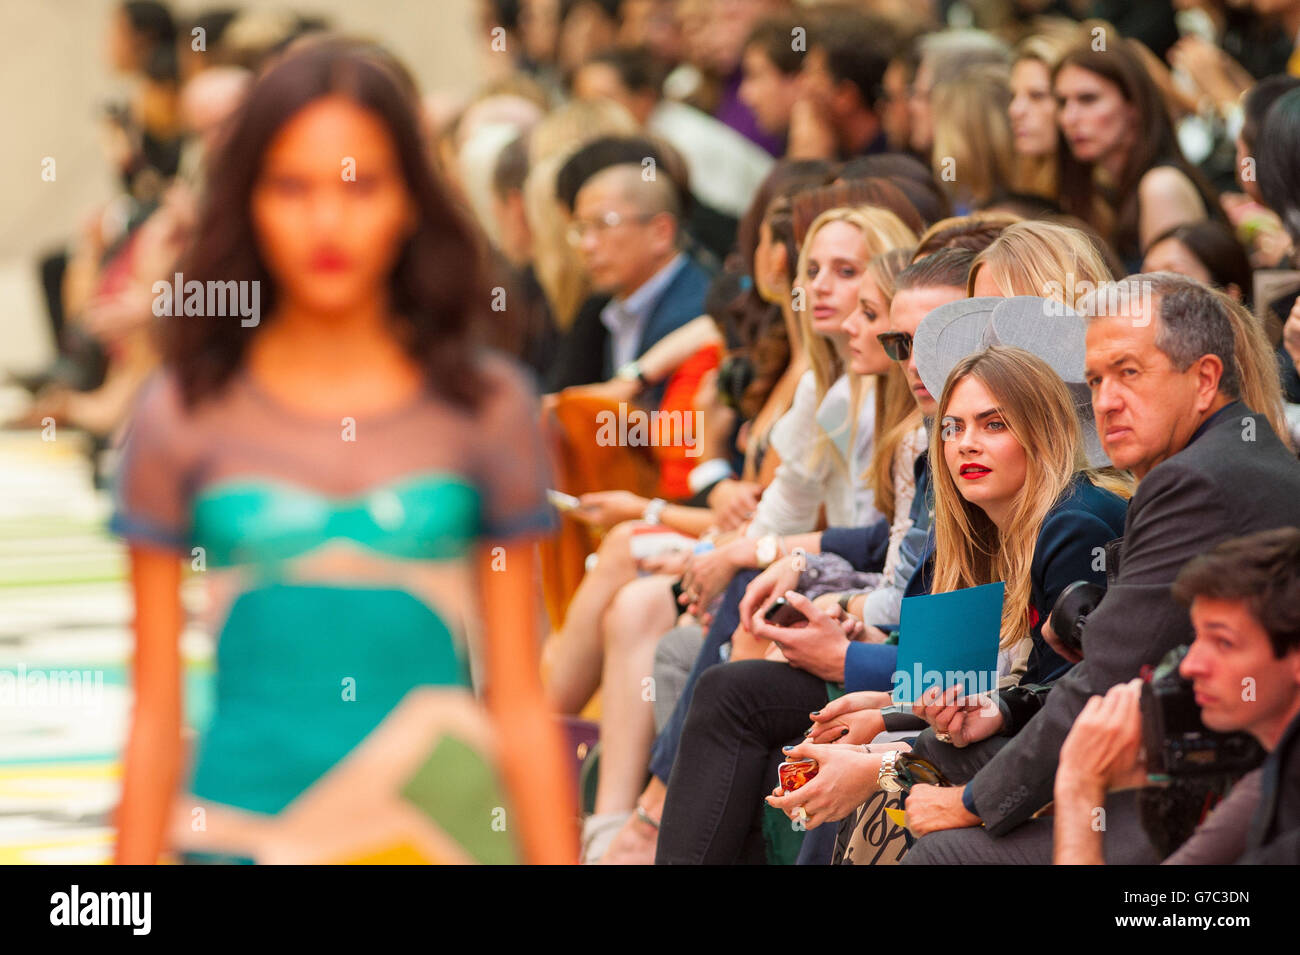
x=973 y=159
x=822 y=301
x=1014 y=502
x=1032 y=111
x=900 y=440
x=826 y=435
x=988 y=521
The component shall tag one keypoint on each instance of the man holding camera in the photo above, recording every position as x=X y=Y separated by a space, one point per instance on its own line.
x=1166 y=385
x=1244 y=669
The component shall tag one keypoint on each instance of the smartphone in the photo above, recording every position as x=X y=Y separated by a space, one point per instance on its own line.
x=561 y=501
x=782 y=613
x=796 y=772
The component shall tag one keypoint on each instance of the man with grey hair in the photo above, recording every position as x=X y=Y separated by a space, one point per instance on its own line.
x=1166 y=384
x=625 y=228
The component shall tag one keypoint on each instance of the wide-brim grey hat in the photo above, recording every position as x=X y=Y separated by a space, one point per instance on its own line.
x=1044 y=327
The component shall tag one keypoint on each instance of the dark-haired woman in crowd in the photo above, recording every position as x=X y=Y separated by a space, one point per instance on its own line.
x=1279 y=185
x=1123 y=171
x=1256 y=224
x=337 y=457
x=1206 y=251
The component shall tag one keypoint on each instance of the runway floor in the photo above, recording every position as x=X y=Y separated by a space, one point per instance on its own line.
x=65 y=653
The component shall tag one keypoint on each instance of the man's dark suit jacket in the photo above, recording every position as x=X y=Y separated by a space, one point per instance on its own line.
x=1274 y=837
x=585 y=354
x=1235 y=477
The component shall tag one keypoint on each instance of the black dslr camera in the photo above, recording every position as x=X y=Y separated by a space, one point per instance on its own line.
x=1070 y=614
x=1177 y=743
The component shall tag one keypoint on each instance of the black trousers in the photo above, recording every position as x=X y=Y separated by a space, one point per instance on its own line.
x=740 y=716
x=1030 y=843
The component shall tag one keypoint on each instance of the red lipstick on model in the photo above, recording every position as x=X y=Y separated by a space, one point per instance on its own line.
x=972 y=472
x=329 y=260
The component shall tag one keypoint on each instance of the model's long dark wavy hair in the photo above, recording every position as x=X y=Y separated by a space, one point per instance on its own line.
x=438 y=285
x=1154 y=144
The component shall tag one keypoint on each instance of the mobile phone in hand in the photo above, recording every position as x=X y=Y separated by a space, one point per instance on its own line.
x=782 y=613
x=561 y=501
x=796 y=772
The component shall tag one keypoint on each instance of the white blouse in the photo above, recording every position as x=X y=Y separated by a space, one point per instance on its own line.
x=800 y=487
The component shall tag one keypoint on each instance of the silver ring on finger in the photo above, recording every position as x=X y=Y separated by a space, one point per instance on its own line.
x=943 y=737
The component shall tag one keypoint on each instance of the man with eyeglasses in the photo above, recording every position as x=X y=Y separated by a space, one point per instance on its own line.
x=625 y=228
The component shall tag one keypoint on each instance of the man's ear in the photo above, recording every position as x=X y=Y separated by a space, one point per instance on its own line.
x=1293 y=659
x=1209 y=372
x=665 y=229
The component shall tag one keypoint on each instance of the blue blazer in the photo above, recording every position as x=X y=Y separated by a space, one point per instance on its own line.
x=1078 y=526
x=681 y=301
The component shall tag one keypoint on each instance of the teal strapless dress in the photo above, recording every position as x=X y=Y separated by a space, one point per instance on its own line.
x=306 y=671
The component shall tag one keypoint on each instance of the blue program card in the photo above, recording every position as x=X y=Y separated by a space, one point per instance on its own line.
x=946 y=639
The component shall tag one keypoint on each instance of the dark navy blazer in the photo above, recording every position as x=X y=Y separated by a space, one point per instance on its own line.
x=681 y=301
